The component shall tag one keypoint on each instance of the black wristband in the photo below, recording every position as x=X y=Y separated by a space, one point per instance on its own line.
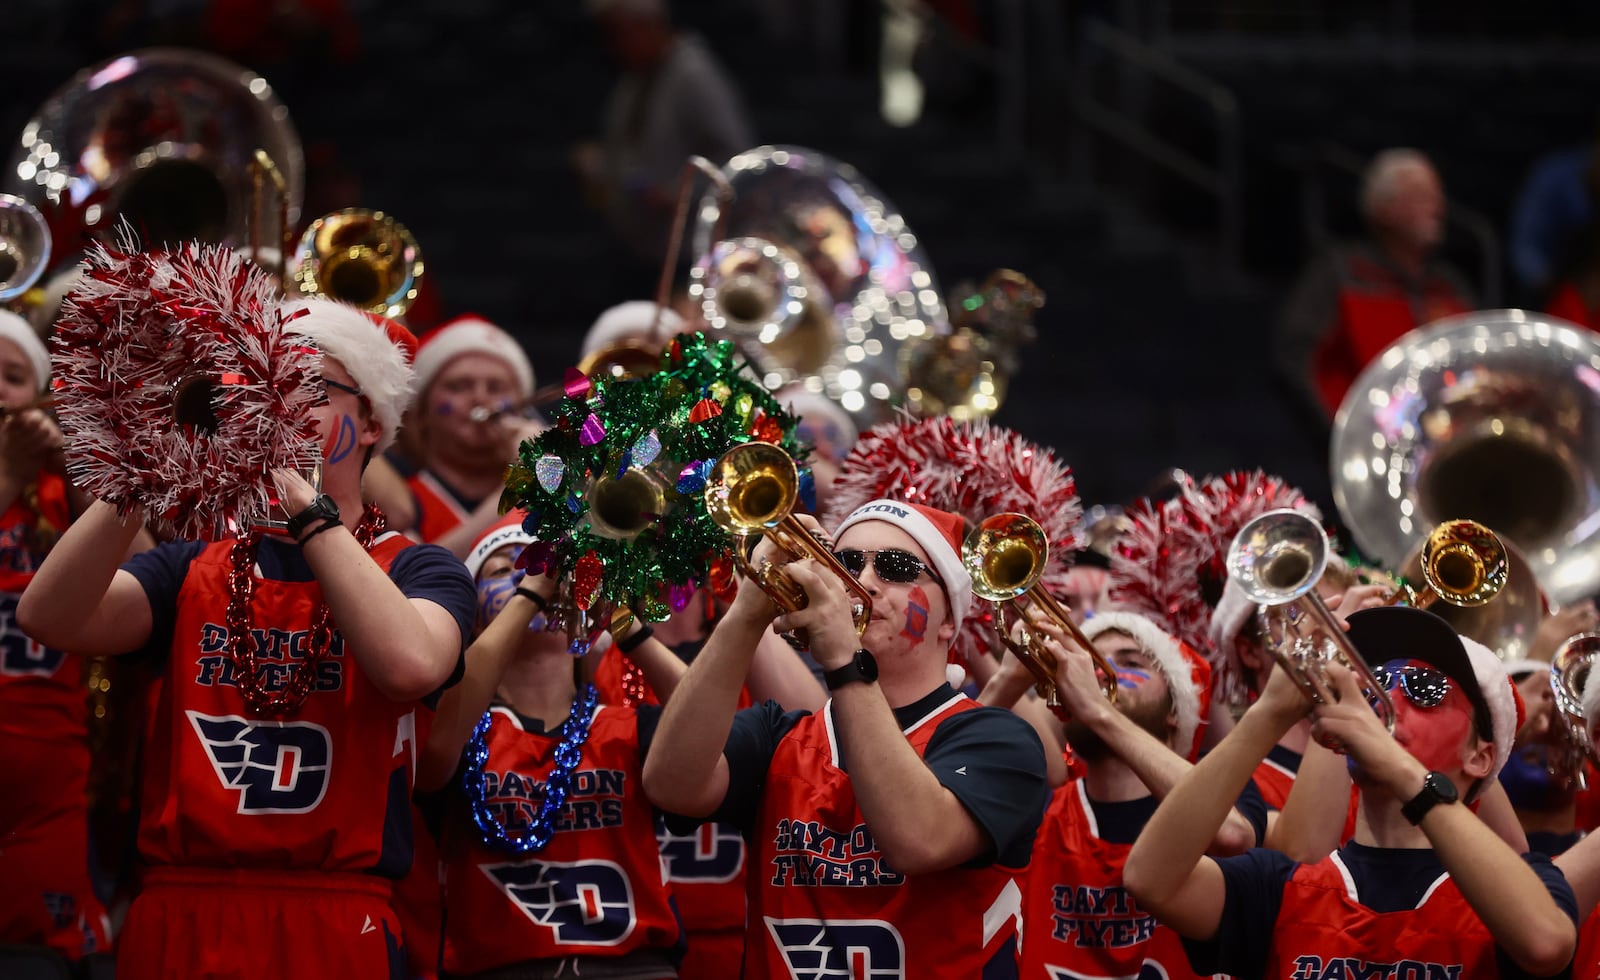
x=326 y=525
x=633 y=641
x=539 y=604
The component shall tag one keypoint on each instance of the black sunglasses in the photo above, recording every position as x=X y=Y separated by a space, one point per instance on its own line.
x=1424 y=687
x=891 y=564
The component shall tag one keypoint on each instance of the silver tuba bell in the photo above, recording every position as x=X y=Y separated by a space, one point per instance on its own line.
x=162 y=137
x=24 y=247
x=1277 y=560
x=873 y=289
x=1492 y=416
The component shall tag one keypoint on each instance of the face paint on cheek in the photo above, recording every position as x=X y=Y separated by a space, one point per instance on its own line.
x=1433 y=736
x=1131 y=677
x=916 y=615
x=344 y=440
x=493 y=594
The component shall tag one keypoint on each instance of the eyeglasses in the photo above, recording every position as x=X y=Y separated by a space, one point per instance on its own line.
x=341 y=386
x=1424 y=687
x=890 y=564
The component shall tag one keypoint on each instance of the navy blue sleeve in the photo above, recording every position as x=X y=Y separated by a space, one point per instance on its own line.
x=161 y=571
x=751 y=742
x=1561 y=891
x=993 y=762
x=1253 y=884
x=1252 y=806
x=427 y=571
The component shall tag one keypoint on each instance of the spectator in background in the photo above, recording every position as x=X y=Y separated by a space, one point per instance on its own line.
x=673 y=101
x=1359 y=297
x=1552 y=216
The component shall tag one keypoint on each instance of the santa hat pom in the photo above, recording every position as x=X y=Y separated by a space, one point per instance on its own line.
x=975 y=469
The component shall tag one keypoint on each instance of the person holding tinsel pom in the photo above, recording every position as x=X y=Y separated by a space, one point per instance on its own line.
x=892 y=823
x=279 y=762
x=45 y=757
x=548 y=843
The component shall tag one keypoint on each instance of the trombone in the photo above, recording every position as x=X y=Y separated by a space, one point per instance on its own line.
x=1006 y=556
x=751 y=492
x=1277 y=560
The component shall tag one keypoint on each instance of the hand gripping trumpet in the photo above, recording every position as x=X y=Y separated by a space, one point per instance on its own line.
x=1463 y=563
x=1006 y=556
x=751 y=492
x=1277 y=560
x=1570 y=669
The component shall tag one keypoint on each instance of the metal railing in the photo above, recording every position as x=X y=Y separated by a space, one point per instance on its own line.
x=1315 y=162
x=1220 y=178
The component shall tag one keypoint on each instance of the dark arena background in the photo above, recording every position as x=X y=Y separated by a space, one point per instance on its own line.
x=1160 y=170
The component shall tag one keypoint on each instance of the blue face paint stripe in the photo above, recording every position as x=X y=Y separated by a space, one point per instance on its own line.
x=1130 y=677
x=345 y=444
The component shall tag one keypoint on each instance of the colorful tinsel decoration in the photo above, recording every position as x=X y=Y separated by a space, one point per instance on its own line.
x=133 y=335
x=975 y=469
x=671 y=427
x=1170 y=565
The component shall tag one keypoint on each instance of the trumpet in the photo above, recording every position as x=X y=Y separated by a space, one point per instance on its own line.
x=752 y=491
x=1277 y=560
x=24 y=247
x=1570 y=670
x=1006 y=556
x=1463 y=563
x=364 y=258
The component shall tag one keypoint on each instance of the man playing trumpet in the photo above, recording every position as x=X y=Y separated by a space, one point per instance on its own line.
x=892 y=824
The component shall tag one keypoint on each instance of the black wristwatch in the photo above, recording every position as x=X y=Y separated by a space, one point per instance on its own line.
x=862 y=667
x=321 y=509
x=1436 y=789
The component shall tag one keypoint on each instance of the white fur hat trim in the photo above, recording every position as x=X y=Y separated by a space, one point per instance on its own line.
x=1174 y=665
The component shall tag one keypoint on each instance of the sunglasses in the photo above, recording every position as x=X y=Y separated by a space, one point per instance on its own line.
x=890 y=564
x=1424 y=687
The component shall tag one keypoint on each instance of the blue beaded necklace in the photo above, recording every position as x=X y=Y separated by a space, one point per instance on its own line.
x=574 y=732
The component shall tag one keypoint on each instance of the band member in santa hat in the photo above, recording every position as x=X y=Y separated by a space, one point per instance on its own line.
x=1425 y=888
x=277 y=775
x=1079 y=919
x=891 y=826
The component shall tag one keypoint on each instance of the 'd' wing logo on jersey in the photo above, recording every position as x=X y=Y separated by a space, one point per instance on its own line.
x=1148 y=970
x=839 y=949
x=587 y=903
x=276 y=766
x=713 y=852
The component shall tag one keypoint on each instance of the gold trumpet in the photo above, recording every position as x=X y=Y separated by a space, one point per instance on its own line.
x=1570 y=670
x=752 y=491
x=1277 y=560
x=364 y=258
x=1463 y=563
x=1006 y=557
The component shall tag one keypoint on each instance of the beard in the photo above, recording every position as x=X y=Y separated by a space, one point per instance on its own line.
x=1090 y=747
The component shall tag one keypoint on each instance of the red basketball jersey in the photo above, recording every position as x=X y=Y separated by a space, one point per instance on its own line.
x=438 y=511
x=42 y=693
x=1274 y=780
x=1080 y=921
x=1323 y=930
x=824 y=903
x=596 y=889
x=327 y=788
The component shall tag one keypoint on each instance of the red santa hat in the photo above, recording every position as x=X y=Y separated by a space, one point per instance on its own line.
x=633 y=320
x=939 y=532
x=506 y=531
x=375 y=351
x=1188 y=674
x=471 y=334
x=17 y=330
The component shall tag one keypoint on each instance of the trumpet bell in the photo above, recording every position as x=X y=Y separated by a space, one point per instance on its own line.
x=757 y=291
x=752 y=488
x=162 y=138
x=622 y=360
x=1492 y=416
x=1570 y=670
x=1005 y=555
x=361 y=257
x=1278 y=557
x=24 y=246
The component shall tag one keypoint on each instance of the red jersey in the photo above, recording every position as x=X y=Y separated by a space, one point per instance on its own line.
x=1275 y=776
x=42 y=693
x=824 y=902
x=439 y=511
x=1080 y=921
x=596 y=889
x=327 y=788
x=1323 y=929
